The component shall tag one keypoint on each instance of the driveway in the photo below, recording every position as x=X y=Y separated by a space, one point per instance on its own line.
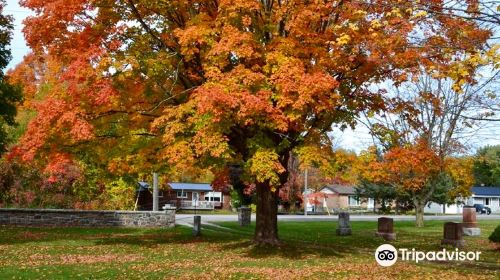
x=188 y=218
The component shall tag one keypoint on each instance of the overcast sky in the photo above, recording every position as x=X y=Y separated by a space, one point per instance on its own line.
x=356 y=140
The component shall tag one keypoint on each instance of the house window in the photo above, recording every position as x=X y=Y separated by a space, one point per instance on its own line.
x=213 y=196
x=353 y=200
x=487 y=201
x=182 y=194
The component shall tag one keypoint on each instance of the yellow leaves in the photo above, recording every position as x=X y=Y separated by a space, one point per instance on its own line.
x=265 y=166
x=493 y=55
x=462 y=72
x=395 y=12
x=420 y=14
x=343 y=40
x=353 y=27
x=375 y=24
x=360 y=13
x=368 y=167
x=461 y=171
x=211 y=143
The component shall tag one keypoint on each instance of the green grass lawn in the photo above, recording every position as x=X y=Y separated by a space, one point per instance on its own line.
x=310 y=249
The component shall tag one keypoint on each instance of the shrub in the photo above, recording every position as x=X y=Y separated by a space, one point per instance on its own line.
x=254 y=208
x=235 y=199
x=495 y=235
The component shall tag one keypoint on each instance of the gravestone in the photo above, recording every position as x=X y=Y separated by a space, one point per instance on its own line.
x=244 y=216
x=469 y=224
x=197 y=226
x=452 y=235
x=344 y=226
x=386 y=228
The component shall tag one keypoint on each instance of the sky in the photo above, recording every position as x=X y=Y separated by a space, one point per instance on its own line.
x=18 y=45
x=356 y=140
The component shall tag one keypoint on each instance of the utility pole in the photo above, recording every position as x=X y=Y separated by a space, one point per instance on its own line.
x=305 y=192
x=155 y=191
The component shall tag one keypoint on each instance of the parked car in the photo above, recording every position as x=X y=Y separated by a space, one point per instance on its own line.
x=481 y=209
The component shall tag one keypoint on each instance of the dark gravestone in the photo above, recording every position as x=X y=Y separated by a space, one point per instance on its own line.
x=453 y=235
x=244 y=216
x=469 y=223
x=344 y=227
x=197 y=226
x=386 y=228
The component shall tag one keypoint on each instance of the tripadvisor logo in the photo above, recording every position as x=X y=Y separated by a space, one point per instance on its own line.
x=387 y=255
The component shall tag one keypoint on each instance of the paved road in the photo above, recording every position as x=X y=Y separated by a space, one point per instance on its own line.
x=188 y=218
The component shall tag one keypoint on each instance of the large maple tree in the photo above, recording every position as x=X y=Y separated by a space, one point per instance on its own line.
x=215 y=81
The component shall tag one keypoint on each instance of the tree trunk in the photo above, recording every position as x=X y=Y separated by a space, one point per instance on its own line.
x=419 y=214
x=266 y=229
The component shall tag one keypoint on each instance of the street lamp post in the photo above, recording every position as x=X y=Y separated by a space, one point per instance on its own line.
x=305 y=192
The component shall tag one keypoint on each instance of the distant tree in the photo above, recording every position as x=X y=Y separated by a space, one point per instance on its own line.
x=487 y=166
x=371 y=179
x=381 y=193
x=10 y=95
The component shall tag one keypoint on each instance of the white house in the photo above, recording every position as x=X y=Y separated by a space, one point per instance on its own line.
x=488 y=196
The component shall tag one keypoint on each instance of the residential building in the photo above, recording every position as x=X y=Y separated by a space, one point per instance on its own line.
x=200 y=196
x=488 y=196
x=337 y=197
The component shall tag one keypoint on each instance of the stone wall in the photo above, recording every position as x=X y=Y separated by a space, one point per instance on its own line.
x=84 y=218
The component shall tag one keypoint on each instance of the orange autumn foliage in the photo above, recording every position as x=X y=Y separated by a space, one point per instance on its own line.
x=166 y=85
x=412 y=167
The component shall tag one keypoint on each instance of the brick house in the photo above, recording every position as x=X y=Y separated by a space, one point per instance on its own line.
x=199 y=196
x=336 y=197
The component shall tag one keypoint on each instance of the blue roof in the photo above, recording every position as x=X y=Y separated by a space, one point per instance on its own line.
x=143 y=186
x=486 y=191
x=191 y=186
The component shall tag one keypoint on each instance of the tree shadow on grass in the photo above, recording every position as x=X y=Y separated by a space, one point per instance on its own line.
x=299 y=241
x=227 y=240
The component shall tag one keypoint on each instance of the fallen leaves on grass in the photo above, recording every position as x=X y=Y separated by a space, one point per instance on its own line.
x=45 y=259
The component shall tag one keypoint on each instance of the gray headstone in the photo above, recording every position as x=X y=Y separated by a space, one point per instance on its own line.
x=197 y=226
x=344 y=226
x=244 y=216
